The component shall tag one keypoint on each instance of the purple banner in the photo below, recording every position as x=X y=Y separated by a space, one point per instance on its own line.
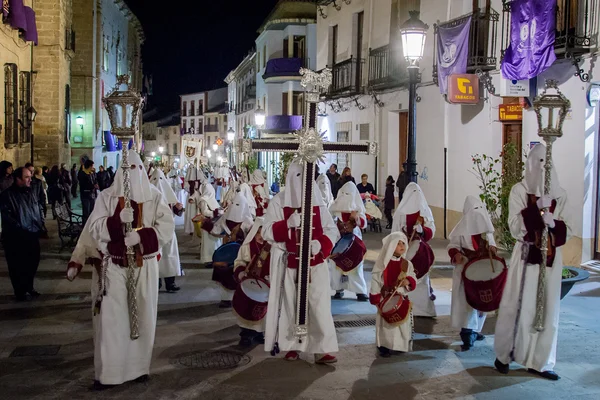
x=109 y=141
x=17 y=17
x=452 y=52
x=283 y=67
x=30 y=34
x=283 y=123
x=532 y=34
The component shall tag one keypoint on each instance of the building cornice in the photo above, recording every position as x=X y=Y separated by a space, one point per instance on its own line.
x=248 y=61
x=137 y=25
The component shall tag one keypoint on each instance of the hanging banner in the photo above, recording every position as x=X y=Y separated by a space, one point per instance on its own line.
x=452 y=52
x=531 y=49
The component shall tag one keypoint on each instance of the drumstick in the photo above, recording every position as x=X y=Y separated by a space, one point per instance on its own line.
x=491 y=260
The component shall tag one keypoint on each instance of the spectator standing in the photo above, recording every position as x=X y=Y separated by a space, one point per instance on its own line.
x=38 y=188
x=6 y=177
x=103 y=178
x=111 y=174
x=334 y=177
x=388 y=201
x=401 y=183
x=364 y=186
x=66 y=182
x=22 y=225
x=39 y=174
x=88 y=187
x=345 y=178
x=74 y=181
x=45 y=172
x=55 y=188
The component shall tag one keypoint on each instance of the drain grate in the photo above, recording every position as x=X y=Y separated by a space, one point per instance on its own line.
x=355 y=323
x=35 y=351
x=212 y=360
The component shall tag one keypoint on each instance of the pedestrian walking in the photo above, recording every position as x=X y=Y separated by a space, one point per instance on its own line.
x=388 y=201
x=66 y=183
x=74 y=181
x=88 y=187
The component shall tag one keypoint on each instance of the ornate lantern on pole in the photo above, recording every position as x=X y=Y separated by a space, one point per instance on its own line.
x=123 y=107
x=551 y=111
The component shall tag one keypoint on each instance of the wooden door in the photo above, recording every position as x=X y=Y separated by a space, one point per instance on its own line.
x=403 y=136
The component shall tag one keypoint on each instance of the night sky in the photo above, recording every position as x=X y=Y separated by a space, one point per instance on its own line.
x=191 y=45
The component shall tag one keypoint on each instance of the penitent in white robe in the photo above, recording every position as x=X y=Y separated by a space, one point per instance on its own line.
x=532 y=349
x=117 y=358
x=191 y=210
x=356 y=278
x=209 y=242
x=321 y=337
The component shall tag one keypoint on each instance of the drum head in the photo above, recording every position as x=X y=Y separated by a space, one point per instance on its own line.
x=343 y=244
x=413 y=248
x=392 y=302
x=481 y=269
x=227 y=253
x=255 y=289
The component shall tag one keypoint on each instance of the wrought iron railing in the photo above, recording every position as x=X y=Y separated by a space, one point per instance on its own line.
x=482 y=40
x=211 y=128
x=347 y=77
x=387 y=67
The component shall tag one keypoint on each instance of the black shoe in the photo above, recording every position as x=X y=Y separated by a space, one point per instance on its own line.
x=173 y=288
x=97 y=386
x=21 y=297
x=468 y=337
x=142 y=379
x=339 y=295
x=362 y=297
x=34 y=294
x=502 y=368
x=551 y=375
x=225 y=304
x=480 y=337
x=208 y=265
x=245 y=341
x=384 y=352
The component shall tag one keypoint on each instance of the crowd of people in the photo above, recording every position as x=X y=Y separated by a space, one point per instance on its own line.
x=253 y=244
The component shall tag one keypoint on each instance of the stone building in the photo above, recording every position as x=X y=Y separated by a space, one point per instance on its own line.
x=161 y=132
x=109 y=37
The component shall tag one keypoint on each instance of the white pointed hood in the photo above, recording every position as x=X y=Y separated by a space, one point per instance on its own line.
x=207 y=193
x=159 y=180
x=348 y=200
x=292 y=195
x=534 y=173
x=258 y=222
x=257 y=177
x=192 y=173
x=475 y=221
x=141 y=191
x=387 y=250
x=414 y=200
x=238 y=211
x=324 y=185
x=247 y=192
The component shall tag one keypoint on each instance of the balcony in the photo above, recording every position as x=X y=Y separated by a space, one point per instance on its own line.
x=347 y=78
x=387 y=68
x=250 y=92
x=211 y=128
x=283 y=69
x=282 y=124
x=576 y=27
x=482 y=40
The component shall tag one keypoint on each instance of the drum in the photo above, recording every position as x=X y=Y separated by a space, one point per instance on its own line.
x=250 y=299
x=484 y=279
x=348 y=252
x=395 y=309
x=223 y=259
x=422 y=257
x=202 y=223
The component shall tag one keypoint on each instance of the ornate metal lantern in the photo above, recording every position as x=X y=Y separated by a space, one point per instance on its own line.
x=551 y=111
x=123 y=107
x=413 y=33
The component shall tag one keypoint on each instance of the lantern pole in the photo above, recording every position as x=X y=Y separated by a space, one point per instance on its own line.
x=125 y=130
x=549 y=134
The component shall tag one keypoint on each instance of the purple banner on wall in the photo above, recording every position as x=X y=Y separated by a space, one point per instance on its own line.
x=109 y=141
x=120 y=144
x=18 y=18
x=452 y=52
x=30 y=34
x=283 y=67
x=283 y=123
x=532 y=35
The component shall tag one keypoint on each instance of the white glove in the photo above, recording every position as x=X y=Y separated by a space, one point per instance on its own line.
x=294 y=220
x=315 y=247
x=419 y=228
x=126 y=215
x=549 y=219
x=132 y=238
x=544 y=202
x=72 y=273
x=221 y=211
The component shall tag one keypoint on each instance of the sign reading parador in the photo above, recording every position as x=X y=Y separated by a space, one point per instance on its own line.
x=463 y=89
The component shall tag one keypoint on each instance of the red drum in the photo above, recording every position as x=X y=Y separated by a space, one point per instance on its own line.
x=422 y=257
x=223 y=259
x=395 y=309
x=251 y=298
x=484 y=279
x=348 y=252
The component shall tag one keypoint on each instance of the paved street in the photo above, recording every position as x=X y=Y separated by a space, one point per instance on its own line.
x=46 y=349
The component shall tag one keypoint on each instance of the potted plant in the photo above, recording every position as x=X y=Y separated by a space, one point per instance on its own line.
x=570 y=276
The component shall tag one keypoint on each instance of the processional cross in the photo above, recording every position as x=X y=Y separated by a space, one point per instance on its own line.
x=310 y=147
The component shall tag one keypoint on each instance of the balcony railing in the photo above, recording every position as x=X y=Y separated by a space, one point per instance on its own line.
x=387 y=68
x=482 y=40
x=211 y=128
x=347 y=78
x=577 y=27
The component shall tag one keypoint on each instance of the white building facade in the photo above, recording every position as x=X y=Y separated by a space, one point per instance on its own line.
x=369 y=101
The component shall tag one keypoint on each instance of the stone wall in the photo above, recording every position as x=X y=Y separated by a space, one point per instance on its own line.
x=52 y=61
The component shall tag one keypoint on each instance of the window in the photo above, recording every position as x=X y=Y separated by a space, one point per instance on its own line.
x=192 y=125
x=184 y=126
x=364 y=131
x=200 y=110
x=106 y=53
x=175 y=149
x=25 y=103
x=120 y=68
x=265 y=56
x=343 y=160
x=192 y=108
x=67 y=113
x=333 y=39
x=184 y=110
x=11 y=112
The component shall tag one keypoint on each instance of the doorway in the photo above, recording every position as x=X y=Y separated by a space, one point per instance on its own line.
x=403 y=137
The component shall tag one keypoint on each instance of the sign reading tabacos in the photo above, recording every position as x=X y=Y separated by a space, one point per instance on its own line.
x=463 y=89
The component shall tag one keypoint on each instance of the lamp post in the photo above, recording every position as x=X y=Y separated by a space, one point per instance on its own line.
x=230 y=139
x=259 y=120
x=551 y=111
x=413 y=33
x=31 y=114
x=123 y=108
x=161 y=150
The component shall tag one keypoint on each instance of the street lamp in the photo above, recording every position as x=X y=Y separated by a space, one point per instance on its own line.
x=230 y=135
x=259 y=117
x=215 y=147
x=230 y=139
x=153 y=154
x=161 y=149
x=80 y=121
x=31 y=114
x=413 y=33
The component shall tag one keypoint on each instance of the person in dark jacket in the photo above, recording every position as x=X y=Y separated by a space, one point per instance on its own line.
x=6 y=177
x=22 y=225
x=388 y=201
x=333 y=176
x=67 y=182
x=74 y=181
x=401 y=183
x=55 y=188
x=103 y=178
x=364 y=186
x=38 y=187
x=111 y=174
x=346 y=177
x=88 y=187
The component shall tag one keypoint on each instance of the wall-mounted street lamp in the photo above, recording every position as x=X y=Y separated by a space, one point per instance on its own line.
x=215 y=147
x=153 y=154
x=259 y=117
x=80 y=121
x=161 y=149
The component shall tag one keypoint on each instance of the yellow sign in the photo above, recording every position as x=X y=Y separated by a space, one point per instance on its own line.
x=463 y=89
x=511 y=112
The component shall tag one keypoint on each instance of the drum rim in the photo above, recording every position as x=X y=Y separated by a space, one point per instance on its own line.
x=471 y=262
